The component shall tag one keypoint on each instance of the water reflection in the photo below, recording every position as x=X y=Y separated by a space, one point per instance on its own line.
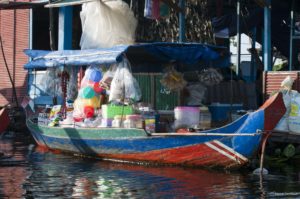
x=40 y=174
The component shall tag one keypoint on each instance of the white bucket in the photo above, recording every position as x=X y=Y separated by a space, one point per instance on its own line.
x=186 y=116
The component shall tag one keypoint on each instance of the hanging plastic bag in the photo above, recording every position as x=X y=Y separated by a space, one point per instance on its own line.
x=88 y=99
x=287 y=120
x=107 y=78
x=148 y=9
x=294 y=116
x=196 y=94
x=173 y=80
x=51 y=82
x=210 y=77
x=164 y=10
x=106 y=24
x=72 y=89
x=124 y=86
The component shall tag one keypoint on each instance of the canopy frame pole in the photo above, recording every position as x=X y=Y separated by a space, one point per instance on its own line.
x=292 y=15
x=238 y=29
x=267 y=37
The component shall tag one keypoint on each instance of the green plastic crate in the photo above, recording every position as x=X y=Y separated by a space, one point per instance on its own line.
x=110 y=111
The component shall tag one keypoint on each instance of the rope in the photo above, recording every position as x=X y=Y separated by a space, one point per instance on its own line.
x=8 y=72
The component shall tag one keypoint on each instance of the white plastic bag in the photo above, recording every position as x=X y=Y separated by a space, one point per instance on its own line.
x=287 y=83
x=106 y=24
x=283 y=123
x=288 y=96
x=124 y=86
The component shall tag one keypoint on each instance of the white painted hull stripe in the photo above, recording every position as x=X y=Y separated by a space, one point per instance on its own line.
x=228 y=153
x=231 y=150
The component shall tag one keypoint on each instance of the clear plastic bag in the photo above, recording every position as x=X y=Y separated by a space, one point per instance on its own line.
x=124 y=86
x=196 y=94
x=106 y=24
x=88 y=99
x=72 y=89
x=51 y=83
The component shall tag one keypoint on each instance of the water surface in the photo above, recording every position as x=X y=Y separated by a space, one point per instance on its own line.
x=28 y=172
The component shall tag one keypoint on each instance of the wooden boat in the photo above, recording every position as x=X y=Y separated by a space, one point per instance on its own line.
x=231 y=146
x=4 y=120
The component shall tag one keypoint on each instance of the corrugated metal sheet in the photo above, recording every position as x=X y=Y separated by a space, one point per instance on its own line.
x=272 y=81
x=154 y=93
x=165 y=101
x=235 y=92
x=144 y=81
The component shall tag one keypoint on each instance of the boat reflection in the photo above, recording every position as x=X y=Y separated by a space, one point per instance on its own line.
x=84 y=178
x=13 y=171
x=43 y=174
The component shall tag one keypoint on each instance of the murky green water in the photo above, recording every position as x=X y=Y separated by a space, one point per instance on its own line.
x=27 y=172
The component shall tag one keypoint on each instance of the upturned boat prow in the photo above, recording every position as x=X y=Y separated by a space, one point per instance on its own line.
x=274 y=109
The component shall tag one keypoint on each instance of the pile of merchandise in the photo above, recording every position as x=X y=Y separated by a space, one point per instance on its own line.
x=105 y=99
x=110 y=98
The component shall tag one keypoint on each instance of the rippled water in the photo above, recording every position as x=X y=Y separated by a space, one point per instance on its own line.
x=28 y=172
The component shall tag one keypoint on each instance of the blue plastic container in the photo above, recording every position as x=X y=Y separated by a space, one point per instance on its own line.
x=220 y=112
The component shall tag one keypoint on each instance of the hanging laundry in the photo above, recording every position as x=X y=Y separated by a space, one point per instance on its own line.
x=152 y=9
x=155 y=9
x=164 y=10
x=148 y=9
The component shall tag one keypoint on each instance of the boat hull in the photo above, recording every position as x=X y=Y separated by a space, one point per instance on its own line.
x=135 y=145
x=4 y=120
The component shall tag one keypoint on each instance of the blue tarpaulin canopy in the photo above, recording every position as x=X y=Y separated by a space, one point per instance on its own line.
x=182 y=53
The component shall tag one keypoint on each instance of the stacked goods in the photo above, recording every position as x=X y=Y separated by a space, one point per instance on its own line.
x=118 y=121
x=150 y=123
x=133 y=121
x=109 y=112
x=55 y=115
x=88 y=100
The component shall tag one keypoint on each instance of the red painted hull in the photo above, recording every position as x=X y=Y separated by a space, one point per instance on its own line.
x=210 y=154
x=4 y=120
